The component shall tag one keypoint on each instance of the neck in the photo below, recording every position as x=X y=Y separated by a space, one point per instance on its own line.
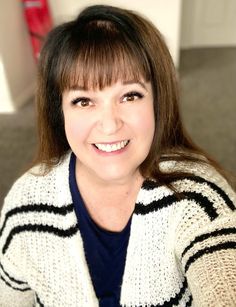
x=109 y=204
x=122 y=188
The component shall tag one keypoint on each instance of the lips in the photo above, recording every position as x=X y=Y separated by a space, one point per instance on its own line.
x=111 y=147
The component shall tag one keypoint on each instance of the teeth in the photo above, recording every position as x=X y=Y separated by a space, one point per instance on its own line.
x=112 y=147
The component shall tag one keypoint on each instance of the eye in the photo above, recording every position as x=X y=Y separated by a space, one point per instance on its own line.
x=82 y=102
x=132 y=96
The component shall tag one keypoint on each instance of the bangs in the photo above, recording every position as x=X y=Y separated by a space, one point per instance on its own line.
x=99 y=55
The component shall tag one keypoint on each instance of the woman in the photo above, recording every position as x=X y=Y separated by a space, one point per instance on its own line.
x=120 y=208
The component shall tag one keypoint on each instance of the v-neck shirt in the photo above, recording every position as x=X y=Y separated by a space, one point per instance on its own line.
x=105 y=251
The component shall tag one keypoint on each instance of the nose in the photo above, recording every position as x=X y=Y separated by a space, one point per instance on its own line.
x=110 y=120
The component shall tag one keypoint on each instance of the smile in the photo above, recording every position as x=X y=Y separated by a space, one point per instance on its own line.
x=112 y=147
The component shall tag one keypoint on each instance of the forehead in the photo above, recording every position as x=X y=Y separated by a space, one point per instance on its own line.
x=97 y=66
x=119 y=83
x=96 y=78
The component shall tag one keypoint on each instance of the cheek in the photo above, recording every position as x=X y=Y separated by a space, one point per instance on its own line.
x=144 y=122
x=75 y=128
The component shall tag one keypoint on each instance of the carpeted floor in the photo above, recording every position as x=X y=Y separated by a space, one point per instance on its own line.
x=17 y=145
x=209 y=100
x=208 y=103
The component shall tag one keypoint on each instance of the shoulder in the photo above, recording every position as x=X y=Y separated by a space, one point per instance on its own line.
x=203 y=189
x=207 y=188
x=36 y=187
x=205 y=202
x=37 y=203
x=206 y=215
x=202 y=220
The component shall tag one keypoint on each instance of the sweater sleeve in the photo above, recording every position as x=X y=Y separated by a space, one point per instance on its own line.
x=14 y=290
x=206 y=243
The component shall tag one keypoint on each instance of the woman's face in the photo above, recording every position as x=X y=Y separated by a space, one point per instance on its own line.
x=110 y=130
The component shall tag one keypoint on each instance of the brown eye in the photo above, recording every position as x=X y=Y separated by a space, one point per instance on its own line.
x=132 y=96
x=82 y=102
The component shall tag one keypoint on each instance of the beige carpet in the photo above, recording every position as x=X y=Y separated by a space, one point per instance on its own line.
x=209 y=100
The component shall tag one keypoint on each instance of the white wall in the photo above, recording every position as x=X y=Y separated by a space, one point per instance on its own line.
x=17 y=66
x=165 y=14
x=208 y=23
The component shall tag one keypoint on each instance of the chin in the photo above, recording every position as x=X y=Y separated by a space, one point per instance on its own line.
x=116 y=175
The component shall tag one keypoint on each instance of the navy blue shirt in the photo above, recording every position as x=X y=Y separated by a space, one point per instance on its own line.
x=105 y=251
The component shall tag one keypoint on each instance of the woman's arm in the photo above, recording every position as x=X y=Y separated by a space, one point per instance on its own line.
x=212 y=277
x=14 y=290
x=206 y=245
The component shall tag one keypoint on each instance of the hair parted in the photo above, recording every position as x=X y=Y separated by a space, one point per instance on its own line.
x=102 y=45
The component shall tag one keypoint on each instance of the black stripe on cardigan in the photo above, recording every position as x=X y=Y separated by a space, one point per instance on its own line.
x=155 y=205
x=205 y=236
x=174 y=301
x=150 y=185
x=189 y=302
x=169 y=200
x=39 y=228
x=177 y=298
x=37 y=208
x=38 y=300
x=209 y=250
x=214 y=187
x=14 y=288
x=12 y=278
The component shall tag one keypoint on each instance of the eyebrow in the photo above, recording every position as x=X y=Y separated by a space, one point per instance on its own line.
x=135 y=82
x=76 y=87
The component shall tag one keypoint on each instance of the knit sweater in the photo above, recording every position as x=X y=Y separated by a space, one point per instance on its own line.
x=181 y=251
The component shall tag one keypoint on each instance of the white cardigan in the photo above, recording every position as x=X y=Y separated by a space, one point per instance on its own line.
x=181 y=252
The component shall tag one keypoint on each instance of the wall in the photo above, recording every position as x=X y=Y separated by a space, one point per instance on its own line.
x=208 y=23
x=164 y=14
x=17 y=66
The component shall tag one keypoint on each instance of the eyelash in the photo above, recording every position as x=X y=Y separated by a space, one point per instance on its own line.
x=80 y=100
x=133 y=94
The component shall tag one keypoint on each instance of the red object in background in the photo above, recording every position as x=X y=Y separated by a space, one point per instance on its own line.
x=39 y=22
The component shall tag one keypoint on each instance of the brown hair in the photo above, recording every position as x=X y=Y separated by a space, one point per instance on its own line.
x=102 y=45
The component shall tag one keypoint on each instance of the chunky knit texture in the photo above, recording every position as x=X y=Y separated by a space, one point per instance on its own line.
x=181 y=252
